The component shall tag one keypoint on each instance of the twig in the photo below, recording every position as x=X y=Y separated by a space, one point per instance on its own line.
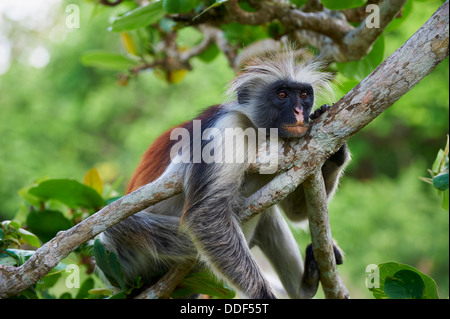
x=166 y=285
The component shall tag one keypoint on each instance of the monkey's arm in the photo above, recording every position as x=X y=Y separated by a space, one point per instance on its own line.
x=212 y=202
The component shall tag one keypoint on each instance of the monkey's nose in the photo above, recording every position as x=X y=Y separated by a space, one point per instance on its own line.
x=298 y=112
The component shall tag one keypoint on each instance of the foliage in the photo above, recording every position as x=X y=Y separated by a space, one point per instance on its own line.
x=203 y=282
x=52 y=205
x=398 y=281
x=439 y=175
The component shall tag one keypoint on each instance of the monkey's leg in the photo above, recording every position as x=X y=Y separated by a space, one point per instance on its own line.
x=273 y=236
x=276 y=241
x=148 y=244
x=220 y=240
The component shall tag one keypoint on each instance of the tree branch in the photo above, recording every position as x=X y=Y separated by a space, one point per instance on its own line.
x=164 y=288
x=358 y=42
x=393 y=78
x=329 y=31
x=322 y=241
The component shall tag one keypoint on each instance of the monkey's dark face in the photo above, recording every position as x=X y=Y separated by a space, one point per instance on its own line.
x=286 y=105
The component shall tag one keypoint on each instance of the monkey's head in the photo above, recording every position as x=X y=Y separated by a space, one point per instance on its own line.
x=277 y=91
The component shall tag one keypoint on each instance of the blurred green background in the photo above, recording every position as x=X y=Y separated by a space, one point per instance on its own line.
x=59 y=118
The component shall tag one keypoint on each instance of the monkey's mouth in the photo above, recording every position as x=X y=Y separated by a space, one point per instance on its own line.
x=297 y=130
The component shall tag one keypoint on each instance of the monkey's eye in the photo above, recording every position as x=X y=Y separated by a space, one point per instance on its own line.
x=282 y=95
x=304 y=95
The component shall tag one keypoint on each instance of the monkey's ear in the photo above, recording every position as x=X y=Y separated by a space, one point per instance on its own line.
x=243 y=95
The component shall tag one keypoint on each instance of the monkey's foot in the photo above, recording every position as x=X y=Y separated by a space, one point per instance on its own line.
x=311 y=275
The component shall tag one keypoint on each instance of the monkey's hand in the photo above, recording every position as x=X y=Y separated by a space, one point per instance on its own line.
x=311 y=275
x=342 y=154
x=319 y=111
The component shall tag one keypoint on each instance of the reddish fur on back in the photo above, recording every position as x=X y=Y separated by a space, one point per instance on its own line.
x=157 y=157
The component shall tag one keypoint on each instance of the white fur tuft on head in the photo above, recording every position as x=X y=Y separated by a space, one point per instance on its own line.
x=288 y=65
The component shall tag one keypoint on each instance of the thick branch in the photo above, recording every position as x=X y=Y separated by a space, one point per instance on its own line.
x=392 y=79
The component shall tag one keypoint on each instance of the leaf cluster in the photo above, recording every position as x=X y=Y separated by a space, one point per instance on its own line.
x=399 y=281
x=51 y=206
x=440 y=175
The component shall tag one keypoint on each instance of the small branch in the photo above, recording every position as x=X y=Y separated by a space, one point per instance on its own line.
x=264 y=13
x=357 y=43
x=164 y=288
x=319 y=22
x=358 y=14
x=319 y=225
x=211 y=35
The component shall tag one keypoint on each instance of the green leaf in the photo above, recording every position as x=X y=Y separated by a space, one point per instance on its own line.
x=203 y=282
x=440 y=181
x=66 y=295
x=210 y=53
x=179 y=6
x=101 y=291
x=139 y=17
x=436 y=168
x=20 y=255
x=388 y=270
x=46 y=223
x=298 y=3
x=214 y=5
x=48 y=281
x=445 y=199
x=108 y=263
x=29 y=238
x=6 y=260
x=106 y=60
x=405 y=284
x=343 y=4
x=70 y=192
x=87 y=285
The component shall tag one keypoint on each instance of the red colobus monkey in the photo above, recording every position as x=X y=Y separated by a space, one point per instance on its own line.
x=272 y=92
